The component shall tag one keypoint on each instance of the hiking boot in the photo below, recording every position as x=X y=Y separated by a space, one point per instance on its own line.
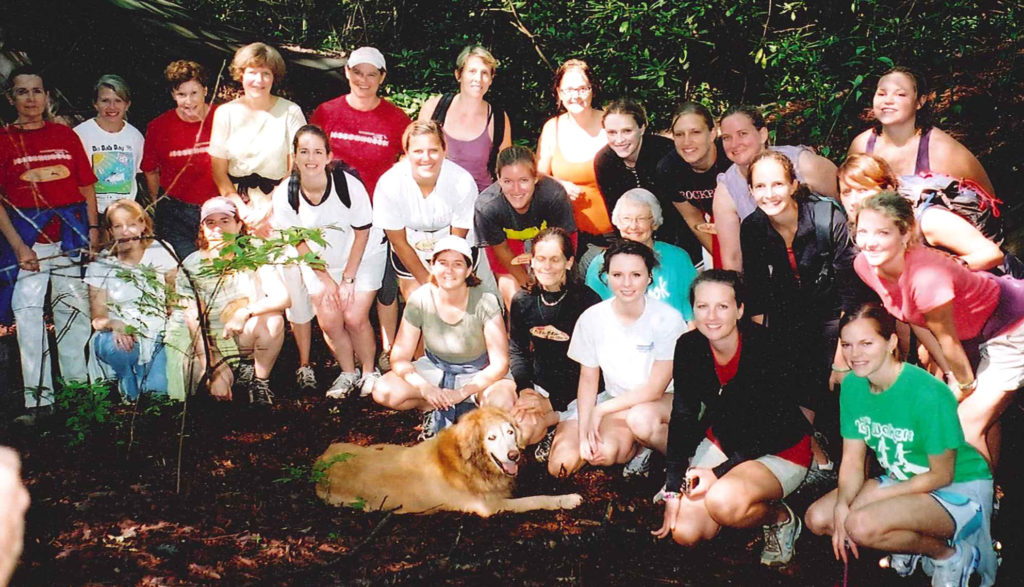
x=260 y=393
x=367 y=382
x=544 y=447
x=904 y=564
x=639 y=465
x=780 y=540
x=305 y=378
x=343 y=386
x=956 y=570
x=35 y=415
x=429 y=425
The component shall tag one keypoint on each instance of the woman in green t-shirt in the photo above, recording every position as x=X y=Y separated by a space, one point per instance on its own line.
x=464 y=338
x=934 y=501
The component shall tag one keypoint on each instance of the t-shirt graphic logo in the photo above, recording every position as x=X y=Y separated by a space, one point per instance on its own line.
x=115 y=170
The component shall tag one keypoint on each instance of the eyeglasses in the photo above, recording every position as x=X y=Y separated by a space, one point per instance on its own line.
x=584 y=91
x=631 y=220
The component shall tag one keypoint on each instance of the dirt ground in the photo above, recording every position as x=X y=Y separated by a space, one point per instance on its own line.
x=107 y=512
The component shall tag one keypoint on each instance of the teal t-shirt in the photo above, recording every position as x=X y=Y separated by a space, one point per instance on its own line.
x=914 y=418
x=672 y=278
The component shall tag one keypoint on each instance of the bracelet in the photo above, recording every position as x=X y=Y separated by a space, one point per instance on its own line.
x=667 y=495
x=838 y=370
x=348 y=280
x=969 y=386
x=92 y=226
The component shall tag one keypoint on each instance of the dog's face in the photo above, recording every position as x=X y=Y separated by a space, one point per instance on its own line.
x=502 y=444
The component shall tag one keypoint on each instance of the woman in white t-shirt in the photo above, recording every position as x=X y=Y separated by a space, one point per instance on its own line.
x=420 y=200
x=353 y=253
x=630 y=340
x=128 y=301
x=113 y=145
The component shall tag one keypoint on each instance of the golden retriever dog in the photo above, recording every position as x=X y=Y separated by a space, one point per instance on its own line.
x=470 y=467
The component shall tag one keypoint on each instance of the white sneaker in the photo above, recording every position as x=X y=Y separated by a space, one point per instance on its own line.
x=904 y=564
x=305 y=378
x=367 y=382
x=780 y=540
x=956 y=570
x=343 y=386
x=639 y=465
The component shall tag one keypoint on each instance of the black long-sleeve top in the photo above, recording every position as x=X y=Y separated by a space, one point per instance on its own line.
x=538 y=354
x=751 y=415
x=820 y=292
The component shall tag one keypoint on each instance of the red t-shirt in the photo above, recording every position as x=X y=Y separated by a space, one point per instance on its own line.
x=178 y=150
x=727 y=370
x=369 y=141
x=929 y=280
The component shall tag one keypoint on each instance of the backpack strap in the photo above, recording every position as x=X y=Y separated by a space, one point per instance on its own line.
x=499 y=135
x=823 y=234
x=441 y=110
x=293 y=191
x=341 y=185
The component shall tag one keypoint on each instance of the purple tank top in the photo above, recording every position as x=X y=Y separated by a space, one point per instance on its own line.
x=472 y=155
x=922 y=164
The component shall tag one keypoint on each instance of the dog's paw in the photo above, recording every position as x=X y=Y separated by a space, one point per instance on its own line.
x=570 y=501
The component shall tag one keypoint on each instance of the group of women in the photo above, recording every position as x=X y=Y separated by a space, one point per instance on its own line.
x=557 y=287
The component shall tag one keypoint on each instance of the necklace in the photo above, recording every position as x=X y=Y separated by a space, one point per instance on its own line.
x=565 y=292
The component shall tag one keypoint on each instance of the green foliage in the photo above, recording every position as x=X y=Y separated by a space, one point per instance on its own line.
x=85 y=406
x=311 y=474
x=812 y=65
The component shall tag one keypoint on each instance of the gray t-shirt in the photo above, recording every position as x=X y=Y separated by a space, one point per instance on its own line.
x=460 y=342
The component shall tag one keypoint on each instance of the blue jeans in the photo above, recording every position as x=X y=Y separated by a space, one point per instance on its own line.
x=133 y=377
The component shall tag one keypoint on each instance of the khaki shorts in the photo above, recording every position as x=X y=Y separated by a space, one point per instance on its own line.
x=789 y=474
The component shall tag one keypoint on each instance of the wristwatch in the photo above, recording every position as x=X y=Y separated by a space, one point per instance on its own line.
x=348 y=280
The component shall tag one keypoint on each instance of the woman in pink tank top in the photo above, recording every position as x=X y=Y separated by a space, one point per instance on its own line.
x=568 y=144
x=903 y=134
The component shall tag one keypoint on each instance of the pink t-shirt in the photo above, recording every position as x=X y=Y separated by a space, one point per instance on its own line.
x=178 y=150
x=369 y=141
x=929 y=280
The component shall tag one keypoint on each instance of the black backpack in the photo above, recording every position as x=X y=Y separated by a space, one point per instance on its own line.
x=337 y=169
x=441 y=110
x=824 y=210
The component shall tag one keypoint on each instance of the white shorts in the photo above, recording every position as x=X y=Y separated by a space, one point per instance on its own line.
x=789 y=474
x=1002 y=361
x=572 y=410
x=302 y=283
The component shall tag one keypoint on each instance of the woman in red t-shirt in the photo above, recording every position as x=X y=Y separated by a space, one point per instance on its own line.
x=175 y=157
x=971 y=322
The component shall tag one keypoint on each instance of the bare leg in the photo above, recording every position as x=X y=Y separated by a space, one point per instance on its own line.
x=360 y=331
x=332 y=322
x=264 y=335
x=303 y=340
x=564 y=459
x=393 y=392
x=649 y=422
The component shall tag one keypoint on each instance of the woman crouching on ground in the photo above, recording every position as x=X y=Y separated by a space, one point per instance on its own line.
x=543 y=315
x=752 y=446
x=466 y=362
x=242 y=308
x=353 y=252
x=935 y=498
x=630 y=340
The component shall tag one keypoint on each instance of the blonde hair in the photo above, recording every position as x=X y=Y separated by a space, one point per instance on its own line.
x=257 y=55
x=137 y=212
x=475 y=51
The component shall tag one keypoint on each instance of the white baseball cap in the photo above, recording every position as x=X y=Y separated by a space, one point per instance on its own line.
x=366 y=55
x=452 y=243
x=217 y=205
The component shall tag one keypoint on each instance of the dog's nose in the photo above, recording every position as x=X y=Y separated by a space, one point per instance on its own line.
x=513 y=455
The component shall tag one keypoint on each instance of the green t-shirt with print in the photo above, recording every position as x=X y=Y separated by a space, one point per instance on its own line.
x=914 y=418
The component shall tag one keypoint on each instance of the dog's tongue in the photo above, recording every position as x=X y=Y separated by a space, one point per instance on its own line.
x=511 y=468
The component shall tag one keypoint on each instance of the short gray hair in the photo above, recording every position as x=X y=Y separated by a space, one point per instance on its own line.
x=639 y=196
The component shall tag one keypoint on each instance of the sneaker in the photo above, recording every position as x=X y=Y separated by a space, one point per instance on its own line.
x=305 y=378
x=780 y=540
x=343 y=386
x=428 y=425
x=544 y=447
x=640 y=465
x=244 y=374
x=904 y=564
x=956 y=570
x=260 y=393
x=367 y=382
x=384 y=361
x=34 y=415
